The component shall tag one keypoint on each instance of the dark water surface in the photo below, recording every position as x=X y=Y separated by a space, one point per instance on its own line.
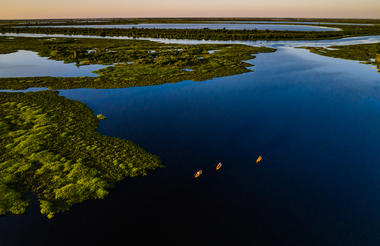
x=315 y=120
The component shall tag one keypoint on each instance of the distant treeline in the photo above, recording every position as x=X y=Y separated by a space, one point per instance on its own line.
x=206 y=34
x=96 y=21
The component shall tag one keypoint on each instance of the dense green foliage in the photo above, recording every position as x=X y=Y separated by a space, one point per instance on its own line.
x=136 y=62
x=49 y=146
x=368 y=53
x=207 y=34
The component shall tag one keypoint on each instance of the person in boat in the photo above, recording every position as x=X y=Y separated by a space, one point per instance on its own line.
x=197 y=174
x=259 y=159
x=219 y=166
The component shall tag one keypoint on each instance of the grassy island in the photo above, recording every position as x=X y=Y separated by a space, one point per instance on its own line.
x=50 y=147
x=367 y=53
x=131 y=62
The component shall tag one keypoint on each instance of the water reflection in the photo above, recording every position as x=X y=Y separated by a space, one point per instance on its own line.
x=25 y=63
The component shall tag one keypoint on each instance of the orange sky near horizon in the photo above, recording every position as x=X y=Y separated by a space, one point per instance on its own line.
x=41 y=9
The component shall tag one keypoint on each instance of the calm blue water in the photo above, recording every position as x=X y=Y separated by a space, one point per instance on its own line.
x=25 y=63
x=240 y=26
x=316 y=121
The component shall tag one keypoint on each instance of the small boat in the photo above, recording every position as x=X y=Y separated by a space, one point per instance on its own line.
x=197 y=174
x=373 y=67
x=259 y=159
x=219 y=166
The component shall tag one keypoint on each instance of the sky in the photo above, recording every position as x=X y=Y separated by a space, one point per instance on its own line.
x=35 y=9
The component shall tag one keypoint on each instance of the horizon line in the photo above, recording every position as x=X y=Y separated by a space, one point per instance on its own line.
x=195 y=17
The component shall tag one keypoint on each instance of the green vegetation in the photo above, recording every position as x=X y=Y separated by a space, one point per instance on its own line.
x=101 y=117
x=136 y=62
x=49 y=146
x=207 y=34
x=367 y=53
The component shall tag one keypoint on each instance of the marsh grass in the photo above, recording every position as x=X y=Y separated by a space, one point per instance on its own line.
x=132 y=62
x=49 y=146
